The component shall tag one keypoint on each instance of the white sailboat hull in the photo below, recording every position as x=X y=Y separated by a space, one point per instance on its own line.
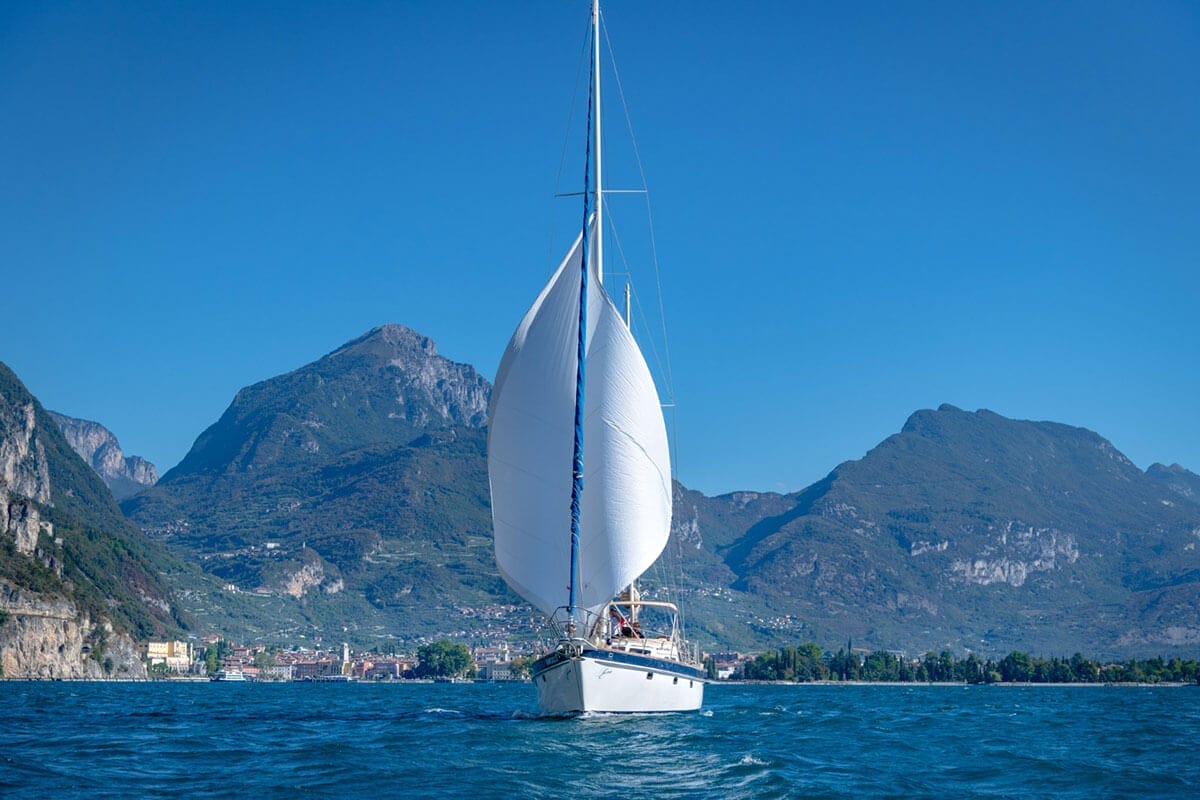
x=603 y=681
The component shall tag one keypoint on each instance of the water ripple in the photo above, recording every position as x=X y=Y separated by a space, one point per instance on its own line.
x=485 y=741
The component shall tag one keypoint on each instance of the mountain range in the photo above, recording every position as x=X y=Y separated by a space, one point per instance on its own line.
x=349 y=497
x=973 y=531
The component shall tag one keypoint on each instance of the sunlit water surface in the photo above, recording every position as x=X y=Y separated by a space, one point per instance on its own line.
x=484 y=740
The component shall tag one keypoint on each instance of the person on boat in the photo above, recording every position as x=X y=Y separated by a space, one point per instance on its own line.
x=618 y=625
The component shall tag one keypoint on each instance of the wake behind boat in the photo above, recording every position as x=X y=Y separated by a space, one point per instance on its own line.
x=574 y=396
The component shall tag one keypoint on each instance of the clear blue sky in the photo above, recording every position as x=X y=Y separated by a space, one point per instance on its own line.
x=862 y=209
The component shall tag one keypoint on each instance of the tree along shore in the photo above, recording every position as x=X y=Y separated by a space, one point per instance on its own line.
x=808 y=663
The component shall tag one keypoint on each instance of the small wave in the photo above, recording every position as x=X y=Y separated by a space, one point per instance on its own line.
x=436 y=713
x=524 y=715
x=443 y=712
x=622 y=715
x=706 y=713
x=751 y=761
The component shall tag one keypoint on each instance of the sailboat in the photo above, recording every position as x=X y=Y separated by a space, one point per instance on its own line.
x=580 y=475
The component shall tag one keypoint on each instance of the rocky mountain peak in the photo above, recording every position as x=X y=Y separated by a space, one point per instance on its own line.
x=927 y=422
x=96 y=444
x=430 y=390
x=1176 y=478
x=388 y=386
x=390 y=341
x=1018 y=444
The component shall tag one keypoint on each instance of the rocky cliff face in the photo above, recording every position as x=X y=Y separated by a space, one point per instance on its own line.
x=47 y=637
x=429 y=391
x=29 y=635
x=76 y=579
x=20 y=518
x=24 y=476
x=95 y=444
x=23 y=466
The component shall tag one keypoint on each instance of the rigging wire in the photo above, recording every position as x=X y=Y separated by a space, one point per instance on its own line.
x=663 y=361
x=551 y=252
x=674 y=576
x=647 y=338
x=668 y=377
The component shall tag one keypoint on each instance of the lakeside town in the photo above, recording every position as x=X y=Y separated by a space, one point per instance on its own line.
x=214 y=658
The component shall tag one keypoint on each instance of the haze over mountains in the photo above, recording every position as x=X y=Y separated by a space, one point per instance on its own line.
x=349 y=499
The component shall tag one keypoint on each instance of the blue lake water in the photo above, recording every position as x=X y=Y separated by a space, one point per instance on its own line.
x=483 y=740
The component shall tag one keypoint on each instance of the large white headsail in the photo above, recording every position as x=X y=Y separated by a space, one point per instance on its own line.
x=626 y=508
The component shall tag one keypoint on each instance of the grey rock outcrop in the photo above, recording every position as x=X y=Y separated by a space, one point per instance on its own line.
x=24 y=477
x=96 y=444
x=20 y=518
x=47 y=637
x=23 y=466
x=430 y=390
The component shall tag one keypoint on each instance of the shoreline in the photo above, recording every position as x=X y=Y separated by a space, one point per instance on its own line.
x=1098 y=684
x=403 y=682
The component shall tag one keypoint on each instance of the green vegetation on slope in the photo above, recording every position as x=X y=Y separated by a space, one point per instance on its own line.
x=109 y=569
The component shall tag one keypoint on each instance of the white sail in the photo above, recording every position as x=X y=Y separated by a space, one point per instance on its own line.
x=626 y=503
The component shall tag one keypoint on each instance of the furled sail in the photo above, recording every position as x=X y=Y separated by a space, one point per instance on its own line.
x=626 y=504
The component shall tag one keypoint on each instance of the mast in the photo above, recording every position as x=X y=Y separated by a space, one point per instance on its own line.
x=599 y=195
x=580 y=370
